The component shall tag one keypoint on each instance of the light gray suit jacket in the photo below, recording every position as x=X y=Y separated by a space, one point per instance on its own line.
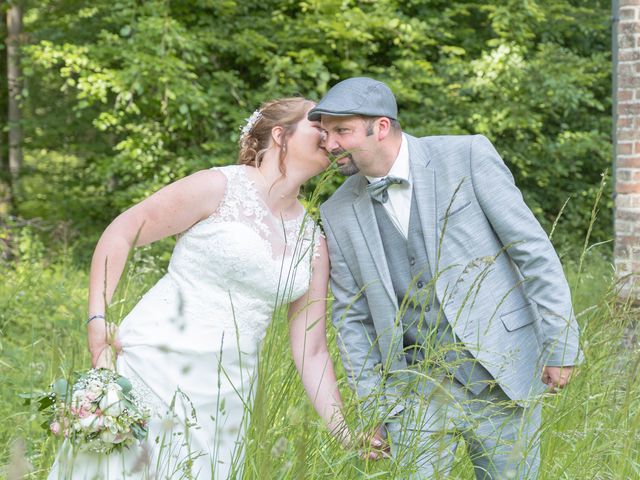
x=497 y=276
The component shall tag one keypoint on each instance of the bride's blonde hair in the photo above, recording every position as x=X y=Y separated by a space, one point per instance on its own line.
x=256 y=135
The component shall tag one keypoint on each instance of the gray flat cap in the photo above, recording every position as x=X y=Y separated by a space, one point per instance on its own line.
x=357 y=96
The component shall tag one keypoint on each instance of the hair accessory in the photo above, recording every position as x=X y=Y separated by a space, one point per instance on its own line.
x=251 y=121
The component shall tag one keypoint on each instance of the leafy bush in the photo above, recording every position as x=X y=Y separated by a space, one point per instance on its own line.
x=123 y=97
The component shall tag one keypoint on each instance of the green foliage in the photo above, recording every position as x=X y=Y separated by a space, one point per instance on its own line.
x=591 y=429
x=123 y=97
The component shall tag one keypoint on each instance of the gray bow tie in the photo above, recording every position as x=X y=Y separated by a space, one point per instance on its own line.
x=378 y=189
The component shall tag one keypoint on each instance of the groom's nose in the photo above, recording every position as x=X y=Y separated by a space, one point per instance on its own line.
x=329 y=142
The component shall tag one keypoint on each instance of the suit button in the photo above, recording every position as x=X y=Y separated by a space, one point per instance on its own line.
x=412 y=261
x=420 y=284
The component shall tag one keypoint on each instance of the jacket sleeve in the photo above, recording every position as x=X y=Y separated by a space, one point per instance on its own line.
x=356 y=333
x=530 y=249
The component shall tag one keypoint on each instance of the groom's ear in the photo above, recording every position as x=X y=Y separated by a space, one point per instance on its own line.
x=384 y=128
x=276 y=135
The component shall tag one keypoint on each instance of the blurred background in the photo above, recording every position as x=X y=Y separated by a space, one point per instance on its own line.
x=114 y=99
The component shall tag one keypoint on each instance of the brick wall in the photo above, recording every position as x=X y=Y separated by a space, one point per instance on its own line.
x=627 y=187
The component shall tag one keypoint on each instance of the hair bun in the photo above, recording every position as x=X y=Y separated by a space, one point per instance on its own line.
x=256 y=133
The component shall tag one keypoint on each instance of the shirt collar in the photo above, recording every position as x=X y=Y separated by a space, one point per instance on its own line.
x=400 y=167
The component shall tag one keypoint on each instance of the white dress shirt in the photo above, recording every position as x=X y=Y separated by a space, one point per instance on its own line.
x=398 y=206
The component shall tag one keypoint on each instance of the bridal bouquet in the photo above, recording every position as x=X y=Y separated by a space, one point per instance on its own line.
x=101 y=412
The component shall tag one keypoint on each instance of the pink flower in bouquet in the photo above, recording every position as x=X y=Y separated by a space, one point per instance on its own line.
x=84 y=411
x=55 y=428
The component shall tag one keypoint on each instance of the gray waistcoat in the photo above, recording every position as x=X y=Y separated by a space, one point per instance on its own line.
x=426 y=330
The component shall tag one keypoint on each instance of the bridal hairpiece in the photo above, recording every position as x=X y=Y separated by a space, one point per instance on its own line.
x=251 y=121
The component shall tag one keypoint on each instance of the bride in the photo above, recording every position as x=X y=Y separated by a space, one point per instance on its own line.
x=191 y=344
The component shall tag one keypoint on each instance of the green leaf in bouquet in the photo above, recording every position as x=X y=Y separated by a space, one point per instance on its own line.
x=61 y=389
x=125 y=384
x=139 y=432
x=45 y=402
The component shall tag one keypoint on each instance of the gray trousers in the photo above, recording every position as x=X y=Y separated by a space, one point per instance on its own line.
x=501 y=437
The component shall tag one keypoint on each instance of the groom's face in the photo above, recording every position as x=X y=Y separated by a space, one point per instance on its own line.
x=351 y=142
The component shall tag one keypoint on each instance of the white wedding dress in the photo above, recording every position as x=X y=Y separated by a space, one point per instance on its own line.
x=192 y=341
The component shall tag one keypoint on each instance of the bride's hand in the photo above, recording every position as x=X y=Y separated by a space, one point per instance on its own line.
x=104 y=346
x=106 y=358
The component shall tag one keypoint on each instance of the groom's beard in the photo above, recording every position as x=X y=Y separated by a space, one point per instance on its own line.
x=348 y=168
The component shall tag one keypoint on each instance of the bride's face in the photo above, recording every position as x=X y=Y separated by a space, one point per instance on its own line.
x=306 y=149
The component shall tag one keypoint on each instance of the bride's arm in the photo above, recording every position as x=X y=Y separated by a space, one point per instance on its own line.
x=307 y=324
x=169 y=211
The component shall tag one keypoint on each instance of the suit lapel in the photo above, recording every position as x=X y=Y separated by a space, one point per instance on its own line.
x=424 y=188
x=369 y=226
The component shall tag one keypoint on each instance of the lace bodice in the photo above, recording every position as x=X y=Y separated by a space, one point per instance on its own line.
x=243 y=204
x=236 y=266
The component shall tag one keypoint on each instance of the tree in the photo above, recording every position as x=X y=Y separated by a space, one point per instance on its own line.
x=5 y=191
x=125 y=96
x=14 y=32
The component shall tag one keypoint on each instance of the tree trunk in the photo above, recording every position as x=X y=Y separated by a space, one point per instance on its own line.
x=3 y=32
x=5 y=176
x=14 y=31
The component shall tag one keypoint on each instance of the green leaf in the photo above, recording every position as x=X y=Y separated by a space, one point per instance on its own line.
x=45 y=401
x=125 y=384
x=61 y=389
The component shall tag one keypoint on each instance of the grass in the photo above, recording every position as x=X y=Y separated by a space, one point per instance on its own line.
x=591 y=430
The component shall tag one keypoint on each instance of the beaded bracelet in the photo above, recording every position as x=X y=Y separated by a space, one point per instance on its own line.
x=93 y=318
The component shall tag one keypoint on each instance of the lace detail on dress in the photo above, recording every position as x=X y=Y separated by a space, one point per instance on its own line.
x=242 y=203
x=241 y=199
x=233 y=269
x=150 y=399
x=304 y=236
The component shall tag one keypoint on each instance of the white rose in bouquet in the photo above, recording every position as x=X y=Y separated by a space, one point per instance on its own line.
x=91 y=423
x=111 y=402
x=107 y=436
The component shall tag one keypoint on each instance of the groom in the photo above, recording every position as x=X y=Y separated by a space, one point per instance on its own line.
x=450 y=303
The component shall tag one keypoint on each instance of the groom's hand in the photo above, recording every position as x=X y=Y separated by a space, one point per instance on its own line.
x=556 y=377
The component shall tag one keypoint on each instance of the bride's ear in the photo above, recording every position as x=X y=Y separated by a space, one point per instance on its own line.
x=276 y=135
